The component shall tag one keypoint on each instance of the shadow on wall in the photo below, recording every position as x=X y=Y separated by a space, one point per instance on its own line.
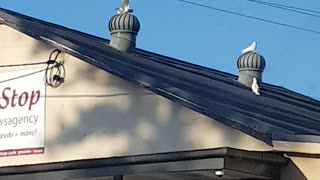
x=125 y=118
x=292 y=172
x=96 y=114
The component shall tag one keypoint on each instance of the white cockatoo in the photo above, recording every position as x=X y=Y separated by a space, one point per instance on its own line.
x=125 y=7
x=251 y=48
x=255 y=87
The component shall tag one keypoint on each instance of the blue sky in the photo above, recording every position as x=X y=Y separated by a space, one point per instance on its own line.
x=203 y=36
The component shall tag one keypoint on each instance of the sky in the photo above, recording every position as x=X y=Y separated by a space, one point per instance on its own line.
x=205 y=36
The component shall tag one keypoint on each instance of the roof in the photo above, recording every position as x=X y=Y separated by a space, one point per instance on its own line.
x=277 y=114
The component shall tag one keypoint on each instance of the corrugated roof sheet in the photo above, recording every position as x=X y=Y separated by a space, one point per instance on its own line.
x=278 y=114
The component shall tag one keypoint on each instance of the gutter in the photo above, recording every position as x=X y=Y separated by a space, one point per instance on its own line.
x=226 y=152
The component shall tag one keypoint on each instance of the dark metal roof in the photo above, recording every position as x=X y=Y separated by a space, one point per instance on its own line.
x=278 y=114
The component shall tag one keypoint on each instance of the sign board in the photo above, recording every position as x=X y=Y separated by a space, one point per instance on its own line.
x=22 y=113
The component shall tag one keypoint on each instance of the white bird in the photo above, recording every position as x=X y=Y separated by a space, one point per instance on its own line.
x=125 y=7
x=255 y=87
x=251 y=48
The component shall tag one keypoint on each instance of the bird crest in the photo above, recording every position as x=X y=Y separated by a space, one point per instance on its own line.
x=251 y=48
x=124 y=8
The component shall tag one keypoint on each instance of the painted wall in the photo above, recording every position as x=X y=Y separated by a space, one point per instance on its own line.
x=95 y=114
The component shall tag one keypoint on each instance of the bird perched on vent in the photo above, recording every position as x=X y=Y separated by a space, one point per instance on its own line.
x=125 y=7
x=251 y=48
x=255 y=87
